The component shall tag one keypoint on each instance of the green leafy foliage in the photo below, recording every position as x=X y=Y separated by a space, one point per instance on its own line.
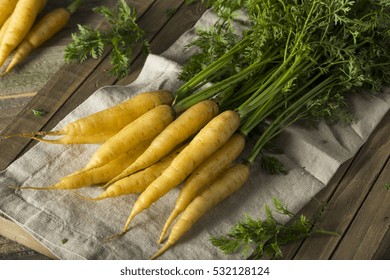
x=273 y=166
x=257 y=239
x=120 y=35
x=39 y=112
x=211 y=45
x=296 y=60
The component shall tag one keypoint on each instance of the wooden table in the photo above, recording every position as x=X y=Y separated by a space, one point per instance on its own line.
x=358 y=205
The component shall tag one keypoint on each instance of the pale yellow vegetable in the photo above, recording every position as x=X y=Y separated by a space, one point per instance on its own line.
x=224 y=186
x=137 y=182
x=46 y=28
x=21 y=21
x=208 y=140
x=204 y=175
x=6 y=7
x=184 y=126
x=106 y=122
x=145 y=128
x=3 y=29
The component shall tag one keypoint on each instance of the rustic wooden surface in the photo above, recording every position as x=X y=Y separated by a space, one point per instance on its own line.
x=358 y=205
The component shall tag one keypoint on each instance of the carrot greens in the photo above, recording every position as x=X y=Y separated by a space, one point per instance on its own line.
x=264 y=238
x=121 y=35
x=295 y=60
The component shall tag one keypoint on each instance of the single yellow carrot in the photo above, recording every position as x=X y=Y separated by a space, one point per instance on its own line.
x=204 y=175
x=21 y=21
x=6 y=7
x=3 y=29
x=224 y=186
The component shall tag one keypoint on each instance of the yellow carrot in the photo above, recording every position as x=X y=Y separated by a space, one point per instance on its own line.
x=204 y=174
x=46 y=28
x=109 y=120
x=3 y=29
x=6 y=7
x=96 y=175
x=224 y=186
x=208 y=140
x=187 y=124
x=145 y=128
x=137 y=182
x=22 y=19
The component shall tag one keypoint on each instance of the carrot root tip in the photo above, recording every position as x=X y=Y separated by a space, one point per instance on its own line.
x=161 y=251
x=115 y=236
x=30 y=188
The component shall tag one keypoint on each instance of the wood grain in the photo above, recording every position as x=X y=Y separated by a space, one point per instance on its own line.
x=350 y=194
x=370 y=226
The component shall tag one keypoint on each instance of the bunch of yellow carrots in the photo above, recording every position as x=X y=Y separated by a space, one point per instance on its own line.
x=21 y=34
x=149 y=149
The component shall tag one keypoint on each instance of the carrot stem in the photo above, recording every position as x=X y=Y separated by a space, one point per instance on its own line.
x=73 y=7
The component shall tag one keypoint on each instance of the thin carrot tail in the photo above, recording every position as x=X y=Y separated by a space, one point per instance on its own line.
x=100 y=197
x=75 y=173
x=124 y=231
x=52 y=187
x=115 y=236
x=34 y=134
x=126 y=227
x=53 y=141
x=161 y=251
x=24 y=49
x=171 y=218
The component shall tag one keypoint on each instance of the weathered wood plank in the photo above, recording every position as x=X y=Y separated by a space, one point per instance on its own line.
x=315 y=205
x=368 y=230
x=33 y=73
x=350 y=194
x=186 y=15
